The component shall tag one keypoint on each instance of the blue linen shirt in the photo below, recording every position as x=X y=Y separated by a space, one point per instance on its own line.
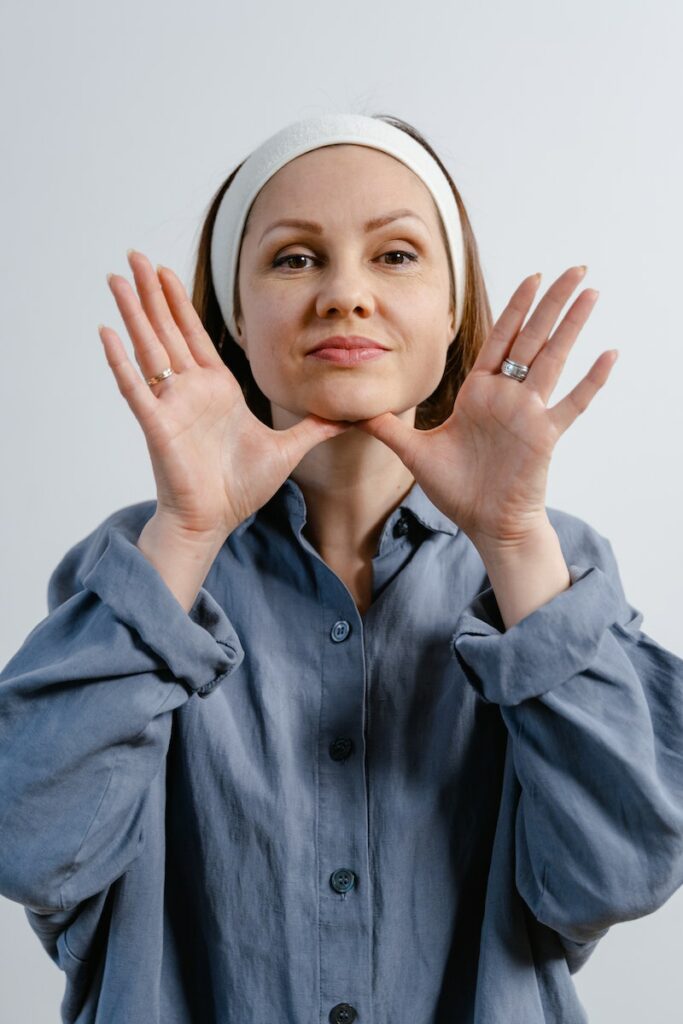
x=274 y=808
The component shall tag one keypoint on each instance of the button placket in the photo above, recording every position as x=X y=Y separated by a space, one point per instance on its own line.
x=345 y=924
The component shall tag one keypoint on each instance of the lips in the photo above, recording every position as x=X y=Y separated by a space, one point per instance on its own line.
x=352 y=341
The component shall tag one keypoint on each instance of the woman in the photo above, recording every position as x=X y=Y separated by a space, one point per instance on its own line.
x=439 y=759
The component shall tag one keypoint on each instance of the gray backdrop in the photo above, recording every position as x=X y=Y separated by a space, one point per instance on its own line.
x=561 y=127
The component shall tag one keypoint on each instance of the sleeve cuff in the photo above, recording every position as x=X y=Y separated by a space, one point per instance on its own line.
x=200 y=647
x=546 y=648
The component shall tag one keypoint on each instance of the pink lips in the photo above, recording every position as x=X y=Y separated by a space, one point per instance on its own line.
x=347 y=350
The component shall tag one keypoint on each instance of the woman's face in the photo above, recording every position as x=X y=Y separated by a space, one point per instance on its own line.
x=344 y=280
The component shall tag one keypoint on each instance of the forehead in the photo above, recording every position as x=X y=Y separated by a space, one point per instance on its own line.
x=323 y=180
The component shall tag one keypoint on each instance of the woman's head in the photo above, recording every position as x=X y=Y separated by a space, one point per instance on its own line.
x=295 y=286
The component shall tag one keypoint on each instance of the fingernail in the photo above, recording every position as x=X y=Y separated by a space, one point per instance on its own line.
x=109 y=277
x=583 y=268
x=537 y=277
x=129 y=252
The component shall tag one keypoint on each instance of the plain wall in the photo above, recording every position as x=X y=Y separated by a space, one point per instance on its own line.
x=561 y=127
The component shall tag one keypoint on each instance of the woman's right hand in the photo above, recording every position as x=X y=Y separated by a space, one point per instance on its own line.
x=214 y=462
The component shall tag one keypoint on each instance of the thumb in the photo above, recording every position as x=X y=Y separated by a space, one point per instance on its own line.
x=395 y=434
x=309 y=432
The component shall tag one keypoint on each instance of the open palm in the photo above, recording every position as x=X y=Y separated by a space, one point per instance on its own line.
x=486 y=466
x=214 y=462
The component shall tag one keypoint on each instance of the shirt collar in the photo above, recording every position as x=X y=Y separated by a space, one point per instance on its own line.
x=289 y=498
x=424 y=510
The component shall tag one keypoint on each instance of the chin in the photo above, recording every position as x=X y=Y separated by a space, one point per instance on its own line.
x=350 y=413
x=349 y=406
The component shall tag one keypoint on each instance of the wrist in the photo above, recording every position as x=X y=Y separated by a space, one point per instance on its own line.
x=526 y=573
x=498 y=550
x=161 y=540
x=182 y=559
x=165 y=529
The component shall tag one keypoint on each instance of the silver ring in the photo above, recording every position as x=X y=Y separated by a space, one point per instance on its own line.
x=160 y=376
x=517 y=371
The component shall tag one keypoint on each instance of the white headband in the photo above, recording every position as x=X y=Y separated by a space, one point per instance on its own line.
x=301 y=137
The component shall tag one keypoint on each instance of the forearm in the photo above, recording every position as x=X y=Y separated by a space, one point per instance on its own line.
x=525 y=575
x=92 y=688
x=183 y=561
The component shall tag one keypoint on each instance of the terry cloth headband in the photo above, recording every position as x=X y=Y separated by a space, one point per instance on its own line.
x=301 y=137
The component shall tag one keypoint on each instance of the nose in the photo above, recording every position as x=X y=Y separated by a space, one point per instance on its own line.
x=343 y=291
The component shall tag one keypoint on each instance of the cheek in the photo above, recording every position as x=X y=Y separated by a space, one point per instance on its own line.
x=272 y=357
x=426 y=358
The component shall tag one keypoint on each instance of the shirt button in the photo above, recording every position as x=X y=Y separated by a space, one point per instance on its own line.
x=340 y=748
x=342 y=1013
x=340 y=630
x=342 y=880
x=401 y=526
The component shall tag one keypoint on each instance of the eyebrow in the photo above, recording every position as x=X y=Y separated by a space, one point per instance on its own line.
x=317 y=229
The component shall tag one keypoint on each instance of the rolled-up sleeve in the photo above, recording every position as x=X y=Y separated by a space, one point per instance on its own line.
x=85 y=715
x=199 y=647
x=594 y=711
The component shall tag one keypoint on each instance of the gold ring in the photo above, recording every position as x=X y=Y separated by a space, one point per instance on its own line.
x=160 y=376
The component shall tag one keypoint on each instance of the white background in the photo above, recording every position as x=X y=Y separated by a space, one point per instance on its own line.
x=560 y=124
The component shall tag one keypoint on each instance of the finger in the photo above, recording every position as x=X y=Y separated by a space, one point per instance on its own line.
x=579 y=398
x=198 y=341
x=534 y=334
x=157 y=310
x=134 y=389
x=395 y=434
x=305 y=435
x=150 y=354
x=506 y=327
x=545 y=369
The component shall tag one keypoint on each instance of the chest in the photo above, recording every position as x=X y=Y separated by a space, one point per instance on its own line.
x=357 y=577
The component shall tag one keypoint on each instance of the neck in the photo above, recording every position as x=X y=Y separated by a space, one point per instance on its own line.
x=351 y=483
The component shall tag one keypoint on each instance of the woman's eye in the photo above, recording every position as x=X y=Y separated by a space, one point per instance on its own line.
x=410 y=257
x=292 y=256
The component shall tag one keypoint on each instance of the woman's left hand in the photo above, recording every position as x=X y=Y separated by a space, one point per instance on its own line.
x=486 y=466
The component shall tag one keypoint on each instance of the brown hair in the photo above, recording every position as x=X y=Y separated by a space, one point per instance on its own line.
x=462 y=351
